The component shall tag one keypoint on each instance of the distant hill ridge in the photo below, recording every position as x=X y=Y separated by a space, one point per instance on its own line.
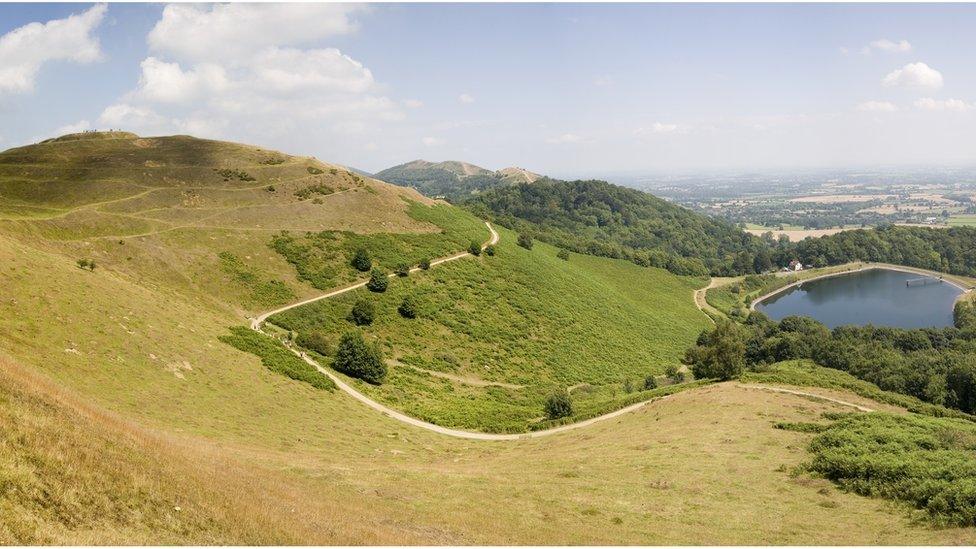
x=453 y=179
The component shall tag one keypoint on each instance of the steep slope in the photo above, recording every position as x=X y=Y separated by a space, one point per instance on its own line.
x=517 y=175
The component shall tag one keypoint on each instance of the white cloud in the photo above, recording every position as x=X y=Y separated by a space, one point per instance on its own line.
x=233 y=32
x=567 y=138
x=77 y=127
x=877 y=106
x=169 y=83
x=326 y=70
x=465 y=98
x=432 y=141
x=413 y=103
x=887 y=46
x=914 y=75
x=953 y=105
x=125 y=116
x=24 y=50
x=658 y=128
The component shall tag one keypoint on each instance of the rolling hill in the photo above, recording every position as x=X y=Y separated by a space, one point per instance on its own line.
x=453 y=180
x=132 y=419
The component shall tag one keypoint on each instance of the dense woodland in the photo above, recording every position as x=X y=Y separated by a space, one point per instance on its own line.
x=599 y=218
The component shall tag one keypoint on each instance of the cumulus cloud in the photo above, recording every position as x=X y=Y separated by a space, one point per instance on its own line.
x=888 y=46
x=24 y=50
x=77 y=127
x=877 y=106
x=914 y=75
x=169 y=83
x=234 y=32
x=465 y=98
x=953 y=105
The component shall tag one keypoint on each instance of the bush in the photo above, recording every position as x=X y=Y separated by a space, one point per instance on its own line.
x=361 y=261
x=563 y=254
x=474 y=248
x=490 y=250
x=425 y=264
x=408 y=307
x=650 y=383
x=276 y=357
x=378 y=281
x=525 y=241
x=720 y=354
x=559 y=405
x=673 y=372
x=314 y=341
x=313 y=170
x=86 y=264
x=362 y=313
x=403 y=269
x=357 y=359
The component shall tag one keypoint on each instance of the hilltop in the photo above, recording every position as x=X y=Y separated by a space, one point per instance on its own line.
x=453 y=180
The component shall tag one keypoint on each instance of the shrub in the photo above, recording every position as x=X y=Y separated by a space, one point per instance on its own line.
x=525 y=241
x=650 y=383
x=276 y=357
x=315 y=341
x=490 y=250
x=86 y=264
x=403 y=269
x=720 y=354
x=474 y=248
x=673 y=372
x=361 y=260
x=362 y=313
x=425 y=263
x=270 y=188
x=563 y=254
x=378 y=281
x=628 y=386
x=357 y=359
x=559 y=405
x=408 y=307
x=313 y=170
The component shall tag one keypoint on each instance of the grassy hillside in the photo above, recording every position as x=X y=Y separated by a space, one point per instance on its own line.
x=513 y=327
x=178 y=418
x=200 y=216
x=453 y=180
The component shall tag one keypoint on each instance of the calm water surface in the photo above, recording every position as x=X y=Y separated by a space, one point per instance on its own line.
x=877 y=296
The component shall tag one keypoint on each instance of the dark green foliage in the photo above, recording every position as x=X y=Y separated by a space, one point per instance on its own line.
x=801 y=427
x=361 y=261
x=524 y=241
x=474 y=248
x=402 y=270
x=425 y=263
x=86 y=264
x=650 y=382
x=270 y=188
x=720 y=353
x=673 y=373
x=378 y=281
x=563 y=254
x=315 y=340
x=928 y=463
x=354 y=357
x=490 y=250
x=628 y=386
x=559 y=405
x=313 y=170
x=228 y=173
x=451 y=180
x=273 y=161
x=307 y=192
x=276 y=357
x=408 y=307
x=362 y=313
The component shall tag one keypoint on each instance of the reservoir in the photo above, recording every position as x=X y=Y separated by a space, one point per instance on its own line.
x=882 y=297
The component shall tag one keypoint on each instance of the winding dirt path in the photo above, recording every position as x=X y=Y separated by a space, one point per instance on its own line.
x=773 y=389
x=703 y=305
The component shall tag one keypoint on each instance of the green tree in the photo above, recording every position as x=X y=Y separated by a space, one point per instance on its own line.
x=378 y=281
x=563 y=254
x=408 y=307
x=354 y=357
x=722 y=353
x=362 y=313
x=314 y=341
x=425 y=264
x=650 y=383
x=525 y=241
x=474 y=248
x=403 y=269
x=559 y=405
x=361 y=261
x=490 y=250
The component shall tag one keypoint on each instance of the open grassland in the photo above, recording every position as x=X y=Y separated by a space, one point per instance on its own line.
x=496 y=334
x=199 y=216
x=962 y=221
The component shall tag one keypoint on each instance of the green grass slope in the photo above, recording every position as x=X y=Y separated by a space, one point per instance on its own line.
x=496 y=334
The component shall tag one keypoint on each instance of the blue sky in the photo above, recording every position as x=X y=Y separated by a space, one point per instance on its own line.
x=563 y=89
